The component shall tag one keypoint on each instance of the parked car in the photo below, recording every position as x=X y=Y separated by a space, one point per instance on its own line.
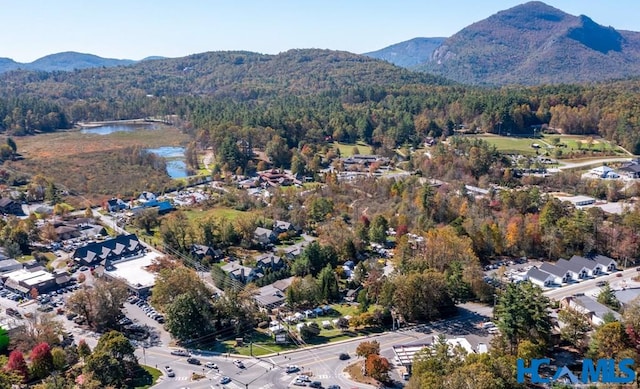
x=298 y=382
x=333 y=387
x=211 y=365
x=193 y=361
x=315 y=384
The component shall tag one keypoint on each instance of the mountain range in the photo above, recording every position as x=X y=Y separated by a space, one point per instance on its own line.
x=529 y=44
x=66 y=61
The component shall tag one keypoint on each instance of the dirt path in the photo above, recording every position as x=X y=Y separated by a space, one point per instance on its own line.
x=208 y=158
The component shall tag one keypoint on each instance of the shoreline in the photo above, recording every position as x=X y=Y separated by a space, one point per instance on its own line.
x=124 y=121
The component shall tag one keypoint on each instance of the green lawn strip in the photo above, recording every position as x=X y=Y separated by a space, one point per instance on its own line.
x=346 y=149
x=147 y=378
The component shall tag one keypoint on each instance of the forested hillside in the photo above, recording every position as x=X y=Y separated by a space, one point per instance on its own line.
x=309 y=95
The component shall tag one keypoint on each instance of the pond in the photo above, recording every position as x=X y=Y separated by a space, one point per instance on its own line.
x=111 y=128
x=176 y=165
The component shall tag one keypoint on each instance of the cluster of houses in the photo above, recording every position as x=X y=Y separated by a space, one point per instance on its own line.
x=84 y=228
x=629 y=170
x=271 y=178
x=573 y=270
x=146 y=200
x=362 y=162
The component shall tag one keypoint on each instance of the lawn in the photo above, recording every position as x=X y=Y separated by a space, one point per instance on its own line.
x=346 y=149
x=577 y=142
x=566 y=143
x=263 y=343
x=220 y=212
x=512 y=145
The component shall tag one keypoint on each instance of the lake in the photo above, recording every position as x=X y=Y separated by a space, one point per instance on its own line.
x=111 y=128
x=176 y=165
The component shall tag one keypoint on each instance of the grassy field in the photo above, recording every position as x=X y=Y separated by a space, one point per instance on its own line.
x=346 y=149
x=507 y=144
x=221 y=212
x=567 y=143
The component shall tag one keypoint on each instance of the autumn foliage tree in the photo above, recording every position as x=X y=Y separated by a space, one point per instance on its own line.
x=368 y=348
x=377 y=367
x=17 y=364
x=41 y=361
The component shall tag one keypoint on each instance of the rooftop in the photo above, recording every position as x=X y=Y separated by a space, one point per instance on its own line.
x=133 y=272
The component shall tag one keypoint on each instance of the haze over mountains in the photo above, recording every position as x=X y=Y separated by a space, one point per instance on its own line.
x=529 y=44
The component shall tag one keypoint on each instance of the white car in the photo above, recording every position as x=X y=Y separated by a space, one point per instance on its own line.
x=170 y=372
x=211 y=365
x=238 y=364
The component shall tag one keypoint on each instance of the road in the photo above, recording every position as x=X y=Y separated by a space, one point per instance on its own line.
x=320 y=363
x=572 y=165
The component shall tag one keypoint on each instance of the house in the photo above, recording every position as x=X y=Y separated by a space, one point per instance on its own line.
x=264 y=236
x=10 y=207
x=560 y=275
x=540 y=277
x=273 y=295
x=65 y=232
x=163 y=206
x=200 y=251
x=146 y=197
x=115 y=205
x=609 y=264
x=603 y=172
x=119 y=248
x=280 y=227
x=269 y=261
x=577 y=270
x=631 y=170
x=590 y=308
x=238 y=272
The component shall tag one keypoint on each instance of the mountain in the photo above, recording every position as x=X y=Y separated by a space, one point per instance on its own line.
x=71 y=60
x=7 y=64
x=238 y=74
x=534 y=43
x=66 y=61
x=409 y=53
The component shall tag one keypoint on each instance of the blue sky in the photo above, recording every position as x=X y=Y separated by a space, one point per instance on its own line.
x=135 y=29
